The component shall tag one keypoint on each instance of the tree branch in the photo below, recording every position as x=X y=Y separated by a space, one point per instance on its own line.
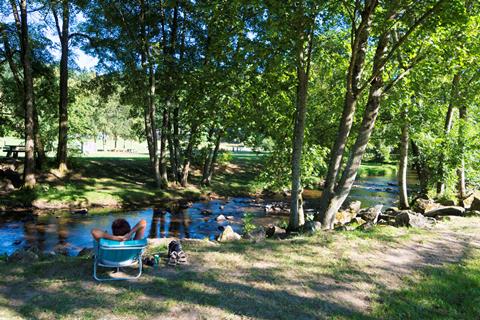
x=417 y=23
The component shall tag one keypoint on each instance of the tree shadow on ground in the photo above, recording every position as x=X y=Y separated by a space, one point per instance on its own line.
x=281 y=280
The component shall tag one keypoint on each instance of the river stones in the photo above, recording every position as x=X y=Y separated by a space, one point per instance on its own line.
x=228 y=235
x=475 y=203
x=408 y=218
x=258 y=234
x=312 y=226
x=86 y=252
x=221 y=218
x=23 y=256
x=275 y=231
x=424 y=205
x=371 y=214
x=446 y=211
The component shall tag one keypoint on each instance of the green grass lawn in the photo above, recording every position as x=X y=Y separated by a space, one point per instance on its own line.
x=333 y=275
x=127 y=181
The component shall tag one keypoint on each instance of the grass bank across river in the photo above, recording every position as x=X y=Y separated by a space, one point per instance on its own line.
x=128 y=182
x=384 y=273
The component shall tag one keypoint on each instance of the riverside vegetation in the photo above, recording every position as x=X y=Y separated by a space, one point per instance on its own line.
x=320 y=91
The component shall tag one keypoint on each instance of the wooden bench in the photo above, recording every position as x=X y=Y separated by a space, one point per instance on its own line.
x=13 y=151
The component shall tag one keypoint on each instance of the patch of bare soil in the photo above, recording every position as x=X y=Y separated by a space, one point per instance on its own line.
x=387 y=265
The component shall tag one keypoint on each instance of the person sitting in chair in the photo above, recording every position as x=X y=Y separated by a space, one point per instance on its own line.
x=121 y=231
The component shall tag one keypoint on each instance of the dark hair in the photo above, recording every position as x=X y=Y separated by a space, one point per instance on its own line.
x=120 y=227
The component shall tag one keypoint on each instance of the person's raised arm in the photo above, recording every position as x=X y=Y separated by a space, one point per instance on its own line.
x=139 y=230
x=100 y=234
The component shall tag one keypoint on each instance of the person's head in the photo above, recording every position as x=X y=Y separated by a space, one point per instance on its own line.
x=120 y=227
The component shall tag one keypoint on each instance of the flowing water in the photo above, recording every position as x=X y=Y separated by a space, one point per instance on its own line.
x=71 y=232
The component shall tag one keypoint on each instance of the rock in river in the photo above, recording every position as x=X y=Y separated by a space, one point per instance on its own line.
x=229 y=235
x=221 y=218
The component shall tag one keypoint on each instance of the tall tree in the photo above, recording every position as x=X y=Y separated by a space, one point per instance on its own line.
x=63 y=34
x=22 y=27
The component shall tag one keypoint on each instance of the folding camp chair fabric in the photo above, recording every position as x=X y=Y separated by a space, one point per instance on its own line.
x=115 y=254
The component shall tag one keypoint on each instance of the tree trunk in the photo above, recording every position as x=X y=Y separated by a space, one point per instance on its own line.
x=163 y=142
x=297 y=217
x=171 y=151
x=188 y=155
x=39 y=147
x=29 y=166
x=151 y=113
x=63 y=102
x=371 y=111
x=176 y=141
x=208 y=155
x=211 y=168
x=461 y=142
x=403 y=163
x=355 y=70
x=420 y=168
x=447 y=128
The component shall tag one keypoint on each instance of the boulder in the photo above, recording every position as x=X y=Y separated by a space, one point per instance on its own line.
x=228 y=235
x=82 y=211
x=472 y=213
x=392 y=211
x=475 y=203
x=371 y=214
x=13 y=176
x=447 y=202
x=424 y=205
x=366 y=226
x=446 y=211
x=6 y=185
x=408 y=218
x=61 y=249
x=206 y=212
x=274 y=231
x=221 y=218
x=468 y=201
x=344 y=216
x=258 y=234
x=230 y=217
x=312 y=226
x=354 y=206
x=88 y=252
x=23 y=256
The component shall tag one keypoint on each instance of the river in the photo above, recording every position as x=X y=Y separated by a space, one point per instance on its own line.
x=71 y=232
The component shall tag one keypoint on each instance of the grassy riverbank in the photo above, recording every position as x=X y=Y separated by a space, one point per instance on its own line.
x=386 y=273
x=127 y=181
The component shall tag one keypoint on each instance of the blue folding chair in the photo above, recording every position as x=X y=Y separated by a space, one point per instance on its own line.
x=116 y=254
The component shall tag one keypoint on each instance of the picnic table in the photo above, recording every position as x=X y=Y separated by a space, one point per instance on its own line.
x=13 y=150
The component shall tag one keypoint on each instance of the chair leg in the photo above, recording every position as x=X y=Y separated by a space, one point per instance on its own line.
x=140 y=268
